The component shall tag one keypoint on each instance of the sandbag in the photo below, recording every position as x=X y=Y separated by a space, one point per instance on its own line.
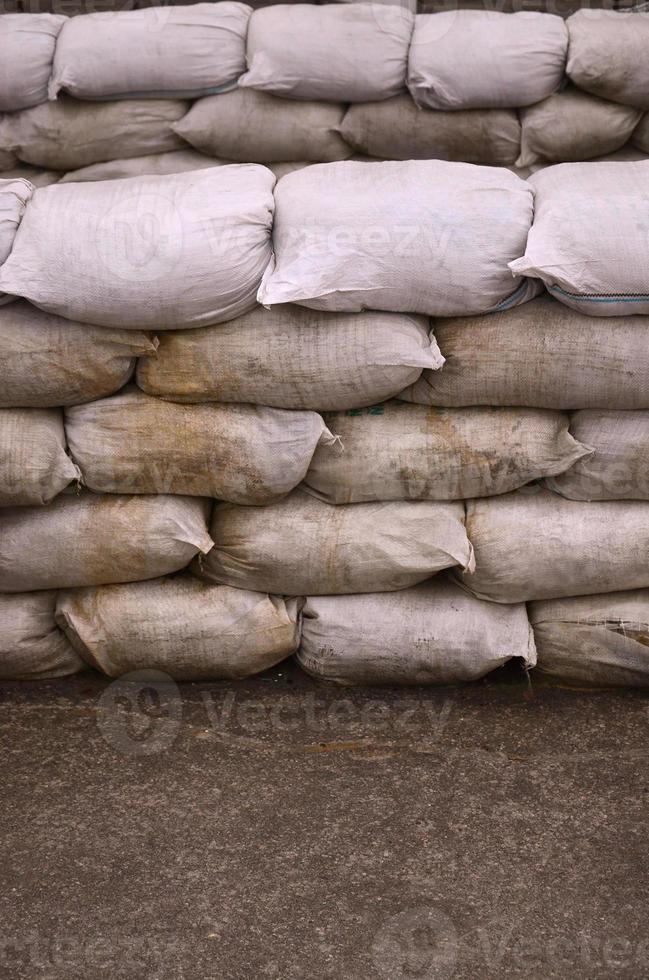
x=27 y=43
x=542 y=354
x=619 y=467
x=34 y=466
x=163 y=51
x=35 y=175
x=92 y=540
x=607 y=54
x=640 y=138
x=14 y=198
x=408 y=452
x=415 y=236
x=533 y=544
x=572 y=125
x=433 y=633
x=485 y=59
x=247 y=454
x=8 y=160
x=174 y=162
x=396 y=129
x=253 y=126
x=302 y=546
x=170 y=252
x=189 y=629
x=67 y=134
x=290 y=357
x=32 y=647
x=594 y=640
x=338 y=53
x=46 y=360
x=588 y=243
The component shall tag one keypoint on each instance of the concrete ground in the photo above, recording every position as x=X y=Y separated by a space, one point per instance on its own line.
x=281 y=829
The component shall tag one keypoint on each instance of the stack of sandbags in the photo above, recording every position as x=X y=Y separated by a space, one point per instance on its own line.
x=309 y=83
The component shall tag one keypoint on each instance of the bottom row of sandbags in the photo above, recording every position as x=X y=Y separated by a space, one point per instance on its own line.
x=432 y=633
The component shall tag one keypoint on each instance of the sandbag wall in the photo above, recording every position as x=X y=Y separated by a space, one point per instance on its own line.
x=166 y=89
x=390 y=416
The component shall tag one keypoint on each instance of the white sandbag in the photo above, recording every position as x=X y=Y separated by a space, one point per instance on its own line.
x=433 y=633
x=182 y=52
x=397 y=130
x=302 y=546
x=95 y=540
x=287 y=167
x=355 y=53
x=485 y=59
x=170 y=252
x=414 y=236
x=189 y=629
x=619 y=467
x=67 y=134
x=541 y=354
x=533 y=544
x=594 y=640
x=34 y=466
x=27 y=43
x=607 y=54
x=14 y=197
x=408 y=452
x=253 y=126
x=290 y=357
x=32 y=647
x=35 y=175
x=174 y=162
x=247 y=454
x=588 y=243
x=572 y=125
x=46 y=360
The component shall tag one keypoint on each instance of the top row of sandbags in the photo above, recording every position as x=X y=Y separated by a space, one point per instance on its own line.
x=458 y=59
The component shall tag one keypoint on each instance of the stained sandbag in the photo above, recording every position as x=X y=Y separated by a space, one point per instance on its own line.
x=14 y=197
x=619 y=467
x=302 y=546
x=174 y=162
x=408 y=452
x=34 y=466
x=35 y=175
x=97 y=540
x=541 y=354
x=414 y=236
x=68 y=133
x=533 y=544
x=433 y=633
x=572 y=125
x=594 y=640
x=396 y=129
x=607 y=54
x=32 y=647
x=588 y=242
x=291 y=357
x=27 y=43
x=182 y=250
x=355 y=53
x=253 y=126
x=189 y=629
x=8 y=160
x=481 y=59
x=162 y=51
x=46 y=360
x=247 y=454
